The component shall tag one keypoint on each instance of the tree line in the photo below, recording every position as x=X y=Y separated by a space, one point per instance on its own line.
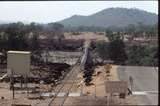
x=133 y=30
x=16 y=36
x=139 y=30
x=20 y=36
x=141 y=54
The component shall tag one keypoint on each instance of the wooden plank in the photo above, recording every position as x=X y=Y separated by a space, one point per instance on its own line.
x=116 y=86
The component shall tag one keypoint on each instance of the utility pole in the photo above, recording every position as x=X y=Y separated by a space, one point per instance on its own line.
x=131 y=82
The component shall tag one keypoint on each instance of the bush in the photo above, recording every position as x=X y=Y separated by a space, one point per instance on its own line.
x=117 y=51
x=102 y=49
x=114 y=50
x=145 y=55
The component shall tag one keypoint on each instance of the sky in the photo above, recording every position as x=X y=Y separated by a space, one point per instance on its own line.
x=52 y=11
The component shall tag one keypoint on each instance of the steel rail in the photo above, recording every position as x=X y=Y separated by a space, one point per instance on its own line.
x=69 y=75
x=83 y=61
x=63 y=101
x=65 y=80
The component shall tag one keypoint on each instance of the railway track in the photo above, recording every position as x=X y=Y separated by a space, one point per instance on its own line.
x=67 y=84
x=65 y=87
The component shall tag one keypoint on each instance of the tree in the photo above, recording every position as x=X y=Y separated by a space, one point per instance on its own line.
x=35 y=43
x=117 y=52
x=35 y=48
x=109 y=35
x=55 y=26
x=3 y=41
x=114 y=50
x=102 y=49
x=143 y=55
x=113 y=35
x=16 y=37
x=130 y=30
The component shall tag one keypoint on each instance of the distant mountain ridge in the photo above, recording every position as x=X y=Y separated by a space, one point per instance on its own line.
x=118 y=17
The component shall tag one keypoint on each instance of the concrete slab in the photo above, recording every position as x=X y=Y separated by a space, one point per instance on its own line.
x=74 y=94
x=144 y=79
x=52 y=94
x=61 y=94
x=144 y=92
x=139 y=93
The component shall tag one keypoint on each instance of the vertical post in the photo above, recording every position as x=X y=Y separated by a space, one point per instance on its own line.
x=27 y=85
x=13 y=89
x=21 y=81
x=131 y=82
x=81 y=89
x=111 y=102
x=95 y=87
x=108 y=100
x=12 y=84
x=25 y=78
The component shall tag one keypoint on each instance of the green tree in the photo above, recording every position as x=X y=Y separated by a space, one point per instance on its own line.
x=130 y=30
x=102 y=49
x=117 y=51
x=16 y=37
x=55 y=26
x=109 y=35
x=143 y=55
x=35 y=43
x=114 y=50
x=36 y=56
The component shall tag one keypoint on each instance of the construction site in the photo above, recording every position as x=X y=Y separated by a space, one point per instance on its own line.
x=71 y=78
x=79 y=53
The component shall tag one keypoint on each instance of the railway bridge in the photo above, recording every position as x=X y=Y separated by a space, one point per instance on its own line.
x=68 y=83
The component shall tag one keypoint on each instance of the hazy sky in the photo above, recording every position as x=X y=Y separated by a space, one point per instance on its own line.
x=51 y=11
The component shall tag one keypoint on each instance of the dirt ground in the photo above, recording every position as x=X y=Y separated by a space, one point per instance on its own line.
x=95 y=94
x=92 y=95
x=97 y=90
x=86 y=36
x=21 y=97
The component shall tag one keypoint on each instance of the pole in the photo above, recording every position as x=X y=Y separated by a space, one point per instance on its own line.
x=21 y=81
x=25 y=79
x=131 y=82
x=13 y=89
x=108 y=99
x=27 y=85
x=95 y=87
x=81 y=88
x=12 y=84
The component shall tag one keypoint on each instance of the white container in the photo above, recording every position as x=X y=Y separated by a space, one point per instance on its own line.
x=18 y=62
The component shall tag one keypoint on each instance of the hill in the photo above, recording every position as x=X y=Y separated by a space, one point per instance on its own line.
x=118 y=17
